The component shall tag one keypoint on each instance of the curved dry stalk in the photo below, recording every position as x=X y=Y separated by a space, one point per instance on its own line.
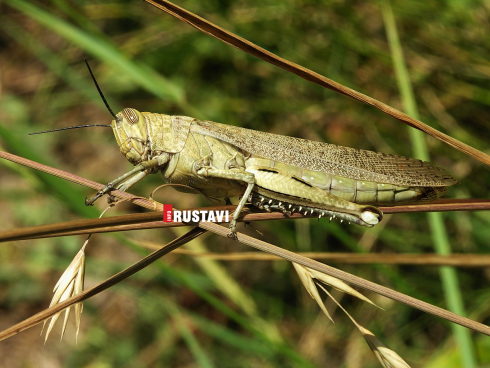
x=349 y=278
x=426 y=259
x=309 y=75
x=269 y=248
x=55 y=309
x=143 y=202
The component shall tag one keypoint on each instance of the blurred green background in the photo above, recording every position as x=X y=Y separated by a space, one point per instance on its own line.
x=188 y=312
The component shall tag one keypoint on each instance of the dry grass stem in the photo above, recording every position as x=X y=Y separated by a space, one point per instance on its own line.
x=78 y=180
x=426 y=259
x=309 y=75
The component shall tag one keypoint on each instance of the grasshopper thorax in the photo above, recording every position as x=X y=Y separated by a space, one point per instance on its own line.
x=131 y=133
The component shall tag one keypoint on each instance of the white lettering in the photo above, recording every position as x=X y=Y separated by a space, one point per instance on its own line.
x=197 y=216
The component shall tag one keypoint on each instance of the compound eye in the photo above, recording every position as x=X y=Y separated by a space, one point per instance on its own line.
x=131 y=115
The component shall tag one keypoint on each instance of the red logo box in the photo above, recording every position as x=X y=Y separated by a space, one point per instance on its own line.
x=167 y=213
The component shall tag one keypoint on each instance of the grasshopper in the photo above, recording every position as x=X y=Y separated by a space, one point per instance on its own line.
x=272 y=172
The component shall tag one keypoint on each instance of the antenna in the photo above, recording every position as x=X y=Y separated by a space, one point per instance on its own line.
x=91 y=125
x=72 y=127
x=100 y=91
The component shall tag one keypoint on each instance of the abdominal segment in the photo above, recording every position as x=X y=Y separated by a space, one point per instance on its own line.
x=351 y=190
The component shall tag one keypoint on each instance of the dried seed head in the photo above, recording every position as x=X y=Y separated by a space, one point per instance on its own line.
x=69 y=284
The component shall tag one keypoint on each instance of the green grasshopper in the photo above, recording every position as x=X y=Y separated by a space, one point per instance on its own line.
x=272 y=172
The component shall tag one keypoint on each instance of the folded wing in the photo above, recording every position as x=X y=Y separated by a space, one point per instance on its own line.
x=329 y=158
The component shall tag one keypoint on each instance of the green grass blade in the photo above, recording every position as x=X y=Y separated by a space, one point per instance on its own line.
x=53 y=61
x=194 y=346
x=106 y=51
x=440 y=239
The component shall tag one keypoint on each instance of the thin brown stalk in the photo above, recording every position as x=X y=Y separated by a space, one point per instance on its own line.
x=431 y=259
x=89 y=226
x=79 y=180
x=442 y=205
x=311 y=76
x=349 y=278
x=456 y=260
x=153 y=220
x=47 y=313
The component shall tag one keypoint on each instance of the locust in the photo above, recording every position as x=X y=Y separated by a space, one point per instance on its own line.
x=272 y=172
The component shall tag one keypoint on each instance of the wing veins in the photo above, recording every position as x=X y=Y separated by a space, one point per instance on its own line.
x=333 y=159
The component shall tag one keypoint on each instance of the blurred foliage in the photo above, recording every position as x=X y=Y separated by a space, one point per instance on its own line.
x=176 y=313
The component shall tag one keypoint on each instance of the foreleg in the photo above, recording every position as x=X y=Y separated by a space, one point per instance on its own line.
x=130 y=178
